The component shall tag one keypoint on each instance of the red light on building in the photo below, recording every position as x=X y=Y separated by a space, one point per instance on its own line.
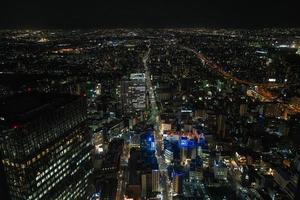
x=15 y=126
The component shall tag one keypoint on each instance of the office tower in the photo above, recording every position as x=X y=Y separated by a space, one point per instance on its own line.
x=133 y=92
x=133 y=189
x=45 y=147
x=169 y=155
x=220 y=170
x=146 y=184
x=106 y=179
x=155 y=181
x=177 y=182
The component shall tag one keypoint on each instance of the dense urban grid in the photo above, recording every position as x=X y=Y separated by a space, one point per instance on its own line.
x=150 y=114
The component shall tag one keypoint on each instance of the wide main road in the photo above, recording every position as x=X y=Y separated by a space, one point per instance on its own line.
x=153 y=120
x=261 y=88
x=214 y=66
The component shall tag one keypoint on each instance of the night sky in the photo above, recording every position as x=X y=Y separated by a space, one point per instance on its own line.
x=148 y=13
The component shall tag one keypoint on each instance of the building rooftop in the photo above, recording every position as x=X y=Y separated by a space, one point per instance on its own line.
x=20 y=108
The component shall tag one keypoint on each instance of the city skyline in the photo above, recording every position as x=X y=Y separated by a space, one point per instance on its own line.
x=149 y=100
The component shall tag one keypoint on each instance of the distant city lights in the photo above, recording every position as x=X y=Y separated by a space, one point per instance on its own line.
x=272 y=80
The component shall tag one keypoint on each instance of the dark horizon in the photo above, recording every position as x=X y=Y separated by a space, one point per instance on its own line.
x=167 y=14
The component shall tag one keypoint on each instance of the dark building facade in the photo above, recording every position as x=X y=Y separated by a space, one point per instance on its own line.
x=3 y=184
x=45 y=147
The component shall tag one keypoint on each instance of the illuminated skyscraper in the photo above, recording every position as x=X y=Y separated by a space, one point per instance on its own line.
x=155 y=181
x=177 y=180
x=45 y=147
x=146 y=185
x=133 y=91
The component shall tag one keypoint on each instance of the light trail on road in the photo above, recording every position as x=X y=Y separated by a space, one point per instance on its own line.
x=261 y=88
x=153 y=120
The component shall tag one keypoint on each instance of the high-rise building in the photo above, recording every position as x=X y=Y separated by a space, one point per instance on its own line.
x=169 y=155
x=220 y=170
x=177 y=181
x=133 y=92
x=155 y=181
x=45 y=147
x=146 y=185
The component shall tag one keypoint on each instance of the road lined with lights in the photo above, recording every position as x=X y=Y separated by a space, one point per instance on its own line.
x=153 y=119
x=225 y=74
x=260 y=88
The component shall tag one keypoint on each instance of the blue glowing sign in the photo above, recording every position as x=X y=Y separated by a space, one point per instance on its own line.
x=183 y=142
